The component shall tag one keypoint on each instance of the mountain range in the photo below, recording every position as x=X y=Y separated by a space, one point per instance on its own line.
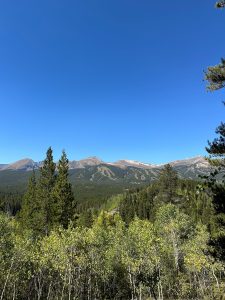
x=93 y=169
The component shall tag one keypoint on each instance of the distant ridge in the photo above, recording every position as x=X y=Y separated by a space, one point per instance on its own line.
x=93 y=171
x=28 y=164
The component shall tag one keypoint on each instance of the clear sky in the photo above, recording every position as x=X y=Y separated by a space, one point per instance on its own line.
x=116 y=78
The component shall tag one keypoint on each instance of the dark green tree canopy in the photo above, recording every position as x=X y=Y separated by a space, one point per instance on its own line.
x=30 y=208
x=47 y=177
x=216 y=78
x=49 y=202
x=63 y=199
x=216 y=148
x=168 y=180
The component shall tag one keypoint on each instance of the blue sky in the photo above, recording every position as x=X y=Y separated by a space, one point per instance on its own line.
x=116 y=79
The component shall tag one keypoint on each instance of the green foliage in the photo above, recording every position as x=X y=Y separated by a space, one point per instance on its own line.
x=216 y=76
x=10 y=202
x=215 y=182
x=167 y=259
x=168 y=182
x=157 y=242
x=30 y=214
x=164 y=241
x=185 y=194
x=140 y=203
x=64 y=205
x=86 y=218
x=49 y=202
x=174 y=228
x=216 y=149
x=44 y=193
x=15 y=264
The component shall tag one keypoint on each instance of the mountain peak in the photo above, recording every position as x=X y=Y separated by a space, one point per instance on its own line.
x=23 y=164
x=94 y=158
x=89 y=161
x=132 y=163
x=191 y=160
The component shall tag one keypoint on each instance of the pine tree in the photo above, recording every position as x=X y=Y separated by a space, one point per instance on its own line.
x=44 y=191
x=216 y=183
x=168 y=182
x=63 y=199
x=216 y=148
x=85 y=219
x=216 y=78
x=31 y=213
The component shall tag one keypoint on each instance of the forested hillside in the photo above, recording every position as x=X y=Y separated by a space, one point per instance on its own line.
x=163 y=241
x=93 y=181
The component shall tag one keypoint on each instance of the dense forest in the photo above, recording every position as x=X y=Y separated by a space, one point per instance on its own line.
x=163 y=241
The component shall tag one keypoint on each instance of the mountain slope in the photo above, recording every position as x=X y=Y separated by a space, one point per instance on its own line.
x=94 y=180
x=25 y=164
x=94 y=170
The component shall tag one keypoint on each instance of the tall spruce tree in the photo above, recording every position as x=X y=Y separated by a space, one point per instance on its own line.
x=168 y=181
x=44 y=191
x=63 y=205
x=31 y=213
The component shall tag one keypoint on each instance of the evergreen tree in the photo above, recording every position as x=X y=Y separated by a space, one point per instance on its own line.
x=64 y=205
x=216 y=148
x=216 y=77
x=216 y=185
x=168 y=182
x=44 y=191
x=31 y=213
x=85 y=219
